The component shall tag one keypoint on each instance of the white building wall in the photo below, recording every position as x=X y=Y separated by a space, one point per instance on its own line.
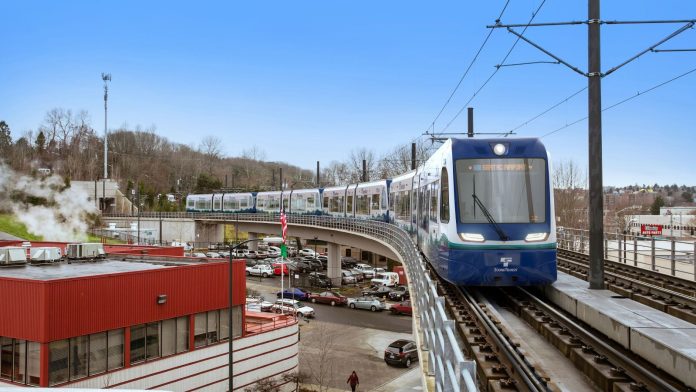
x=268 y=354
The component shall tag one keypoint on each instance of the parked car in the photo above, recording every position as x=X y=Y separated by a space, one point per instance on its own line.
x=389 y=279
x=292 y=306
x=401 y=352
x=307 y=252
x=314 y=263
x=273 y=251
x=367 y=270
x=198 y=254
x=258 y=305
x=260 y=254
x=347 y=277
x=238 y=253
x=213 y=255
x=294 y=293
x=250 y=263
x=249 y=254
x=348 y=262
x=377 y=291
x=399 y=293
x=318 y=279
x=328 y=297
x=359 y=276
x=277 y=269
x=370 y=303
x=260 y=270
x=302 y=266
x=379 y=269
x=402 y=308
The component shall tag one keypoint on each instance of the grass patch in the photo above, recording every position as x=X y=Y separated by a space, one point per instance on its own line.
x=10 y=225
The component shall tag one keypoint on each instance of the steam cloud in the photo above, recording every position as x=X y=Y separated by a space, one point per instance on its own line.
x=63 y=218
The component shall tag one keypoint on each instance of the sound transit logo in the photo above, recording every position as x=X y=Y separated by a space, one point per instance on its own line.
x=505 y=262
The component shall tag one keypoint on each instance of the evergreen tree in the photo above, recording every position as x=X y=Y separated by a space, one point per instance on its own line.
x=5 y=138
x=655 y=207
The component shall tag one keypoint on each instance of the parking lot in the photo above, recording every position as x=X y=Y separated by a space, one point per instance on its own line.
x=339 y=340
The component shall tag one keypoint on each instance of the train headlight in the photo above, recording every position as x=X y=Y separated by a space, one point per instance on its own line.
x=471 y=237
x=499 y=149
x=534 y=237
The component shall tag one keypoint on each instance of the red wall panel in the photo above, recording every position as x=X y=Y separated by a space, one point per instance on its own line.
x=57 y=309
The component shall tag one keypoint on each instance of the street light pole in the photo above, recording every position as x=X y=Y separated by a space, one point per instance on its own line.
x=230 y=319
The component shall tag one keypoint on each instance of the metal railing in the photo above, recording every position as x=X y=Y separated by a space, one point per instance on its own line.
x=667 y=256
x=443 y=345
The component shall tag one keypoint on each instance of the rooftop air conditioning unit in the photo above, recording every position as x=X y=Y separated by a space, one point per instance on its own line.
x=45 y=255
x=13 y=256
x=88 y=250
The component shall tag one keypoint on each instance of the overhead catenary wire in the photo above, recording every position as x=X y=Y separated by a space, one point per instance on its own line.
x=547 y=110
x=636 y=95
x=501 y=63
x=468 y=68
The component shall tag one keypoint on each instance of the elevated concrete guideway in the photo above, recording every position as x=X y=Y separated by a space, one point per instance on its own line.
x=442 y=363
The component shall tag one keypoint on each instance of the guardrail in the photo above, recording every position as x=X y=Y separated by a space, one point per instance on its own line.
x=446 y=362
x=667 y=256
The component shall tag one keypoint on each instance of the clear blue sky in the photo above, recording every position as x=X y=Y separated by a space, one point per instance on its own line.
x=311 y=80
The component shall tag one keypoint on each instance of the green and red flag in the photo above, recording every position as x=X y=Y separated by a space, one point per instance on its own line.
x=284 y=227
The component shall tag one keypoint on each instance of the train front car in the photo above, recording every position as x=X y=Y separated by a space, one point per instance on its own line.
x=502 y=227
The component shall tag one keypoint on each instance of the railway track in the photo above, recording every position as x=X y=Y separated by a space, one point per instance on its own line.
x=672 y=295
x=504 y=365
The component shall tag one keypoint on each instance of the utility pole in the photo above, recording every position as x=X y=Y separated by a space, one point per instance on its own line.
x=594 y=77
x=318 y=178
x=106 y=77
x=364 y=173
x=594 y=96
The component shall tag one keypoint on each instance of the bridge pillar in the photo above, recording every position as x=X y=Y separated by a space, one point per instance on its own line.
x=254 y=245
x=209 y=232
x=333 y=266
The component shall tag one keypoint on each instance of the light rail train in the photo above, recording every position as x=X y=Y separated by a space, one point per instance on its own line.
x=480 y=210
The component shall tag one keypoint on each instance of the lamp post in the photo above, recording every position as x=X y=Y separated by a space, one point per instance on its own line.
x=229 y=313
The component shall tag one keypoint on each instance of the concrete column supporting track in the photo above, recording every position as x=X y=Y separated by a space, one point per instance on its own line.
x=333 y=269
x=253 y=245
x=210 y=232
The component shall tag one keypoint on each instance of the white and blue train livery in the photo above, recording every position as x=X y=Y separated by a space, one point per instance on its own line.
x=480 y=210
x=485 y=212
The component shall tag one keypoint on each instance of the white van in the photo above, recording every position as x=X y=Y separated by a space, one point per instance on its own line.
x=389 y=279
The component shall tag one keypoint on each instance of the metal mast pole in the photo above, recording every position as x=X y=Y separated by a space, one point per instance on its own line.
x=106 y=78
x=596 y=210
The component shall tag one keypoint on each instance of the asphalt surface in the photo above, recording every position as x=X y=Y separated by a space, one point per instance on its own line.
x=384 y=320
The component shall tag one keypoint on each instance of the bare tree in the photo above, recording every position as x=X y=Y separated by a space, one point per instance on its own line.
x=211 y=147
x=570 y=195
x=355 y=164
x=322 y=362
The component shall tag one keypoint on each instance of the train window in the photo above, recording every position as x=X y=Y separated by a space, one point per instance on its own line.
x=349 y=205
x=190 y=203
x=444 y=196
x=326 y=202
x=374 y=206
x=362 y=205
x=433 y=201
x=310 y=202
x=384 y=199
x=216 y=204
x=513 y=190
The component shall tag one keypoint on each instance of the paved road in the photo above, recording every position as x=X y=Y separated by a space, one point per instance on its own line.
x=339 y=314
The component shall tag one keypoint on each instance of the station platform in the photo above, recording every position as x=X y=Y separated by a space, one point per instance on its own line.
x=664 y=340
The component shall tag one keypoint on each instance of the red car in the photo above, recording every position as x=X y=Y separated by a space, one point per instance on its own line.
x=328 y=297
x=276 y=269
x=402 y=308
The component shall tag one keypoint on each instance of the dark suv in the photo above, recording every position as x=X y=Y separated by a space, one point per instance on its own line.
x=402 y=352
x=317 y=279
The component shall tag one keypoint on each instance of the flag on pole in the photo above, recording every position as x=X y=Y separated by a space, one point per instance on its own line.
x=284 y=227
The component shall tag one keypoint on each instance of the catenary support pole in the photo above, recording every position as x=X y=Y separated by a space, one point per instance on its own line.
x=470 y=121
x=413 y=156
x=364 y=174
x=596 y=210
x=318 y=178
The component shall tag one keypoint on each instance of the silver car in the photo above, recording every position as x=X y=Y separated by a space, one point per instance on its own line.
x=347 y=277
x=370 y=303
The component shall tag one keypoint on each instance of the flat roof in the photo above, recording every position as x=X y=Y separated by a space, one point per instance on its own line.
x=63 y=270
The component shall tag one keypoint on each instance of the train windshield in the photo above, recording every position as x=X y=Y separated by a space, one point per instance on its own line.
x=513 y=190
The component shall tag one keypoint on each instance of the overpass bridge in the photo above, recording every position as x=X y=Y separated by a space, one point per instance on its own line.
x=441 y=349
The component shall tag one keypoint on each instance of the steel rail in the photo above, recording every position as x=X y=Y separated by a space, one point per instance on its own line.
x=631 y=367
x=522 y=369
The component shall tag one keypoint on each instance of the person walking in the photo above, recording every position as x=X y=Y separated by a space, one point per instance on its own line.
x=353 y=381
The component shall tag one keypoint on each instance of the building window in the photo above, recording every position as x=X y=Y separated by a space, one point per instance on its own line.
x=13 y=357
x=224 y=324
x=237 y=320
x=115 y=346
x=97 y=353
x=79 y=351
x=182 y=334
x=153 y=340
x=6 y=358
x=213 y=317
x=33 y=363
x=200 y=329
x=137 y=343
x=58 y=362
x=168 y=337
